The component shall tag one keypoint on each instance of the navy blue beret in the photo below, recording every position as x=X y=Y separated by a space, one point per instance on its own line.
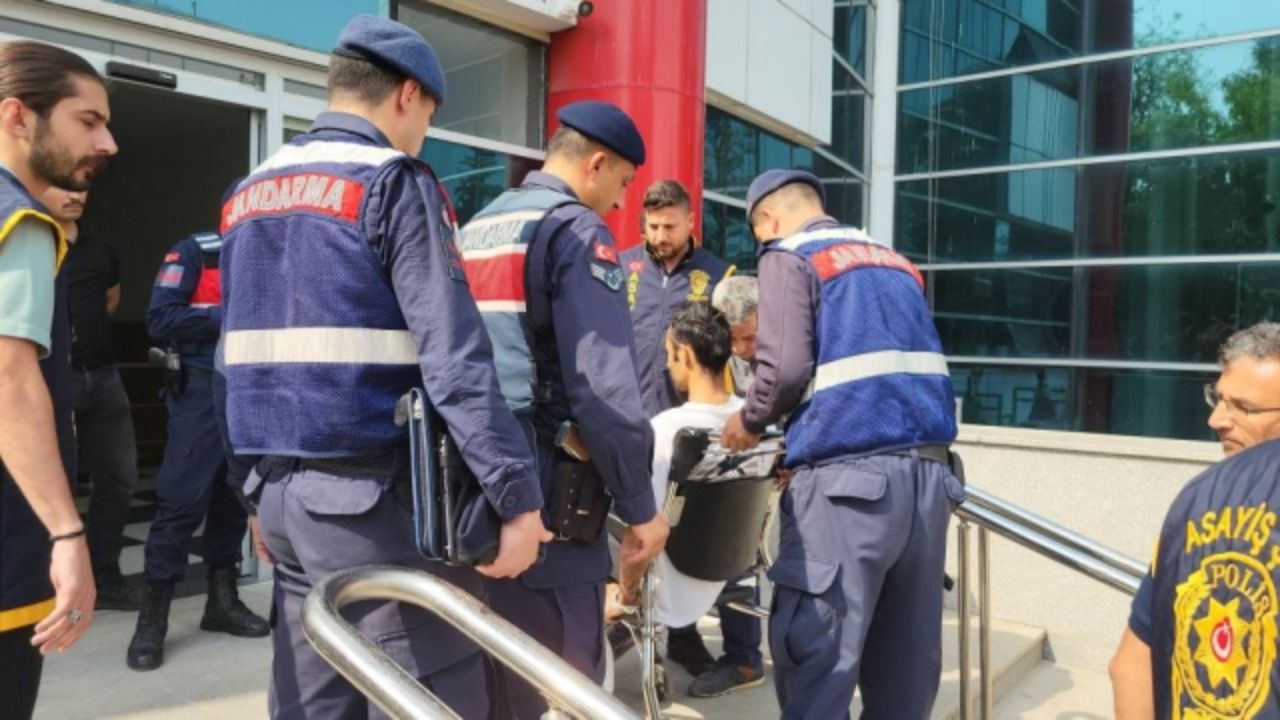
x=395 y=46
x=606 y=124
x=770 y=180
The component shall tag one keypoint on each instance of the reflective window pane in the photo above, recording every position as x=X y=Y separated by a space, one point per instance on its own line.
x=730 y=154
x=474 y=177
x=1208 y=96
x=952 y=38
x=725 y=234
x=1154 y=403
x=1179 y=206
x=848 y=118
x=1161 y=313
x=495 y=78
x=850 y=41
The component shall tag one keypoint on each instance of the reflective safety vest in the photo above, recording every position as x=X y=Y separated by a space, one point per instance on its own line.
x=493 y=247
x=209 y=288
x=26 y=596
x=315 y=349
x=1214 y=593
x=880 y=381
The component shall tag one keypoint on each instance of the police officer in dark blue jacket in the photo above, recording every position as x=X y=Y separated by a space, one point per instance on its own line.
x=545 y=273
x=191 y=487
x=663 y=273
x=1202 y=638
x=846 y=348
x=344 y=290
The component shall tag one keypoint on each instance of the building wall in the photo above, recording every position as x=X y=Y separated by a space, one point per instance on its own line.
x=774 y=57
x=1113 y=490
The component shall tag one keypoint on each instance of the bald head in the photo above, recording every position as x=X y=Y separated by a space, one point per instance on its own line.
x=782 y=212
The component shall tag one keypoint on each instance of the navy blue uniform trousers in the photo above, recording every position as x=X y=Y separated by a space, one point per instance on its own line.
x=858 y=587
x=192 y=488
x=314 y=524
x=569 y=620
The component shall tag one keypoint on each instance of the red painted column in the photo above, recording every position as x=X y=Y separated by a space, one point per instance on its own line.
x=648 y=57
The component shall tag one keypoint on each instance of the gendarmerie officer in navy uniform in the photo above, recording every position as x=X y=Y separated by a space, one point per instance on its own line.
x=344 y=290
x=663 y=273
x=545 y=272
x=847 y=349
x=191 y=487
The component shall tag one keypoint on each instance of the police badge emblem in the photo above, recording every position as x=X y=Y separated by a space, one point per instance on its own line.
x=1225 y=638
x=699 y=281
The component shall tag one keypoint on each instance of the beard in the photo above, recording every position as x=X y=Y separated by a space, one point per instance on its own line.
x=53 y=163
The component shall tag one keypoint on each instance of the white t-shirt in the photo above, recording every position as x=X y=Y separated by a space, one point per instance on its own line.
x=680 y=600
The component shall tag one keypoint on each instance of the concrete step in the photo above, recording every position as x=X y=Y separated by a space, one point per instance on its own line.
x=1016 y=650
x=1054 y=692
x=211 y=676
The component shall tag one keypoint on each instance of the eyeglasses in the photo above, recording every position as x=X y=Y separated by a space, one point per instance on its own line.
x=1212 y=398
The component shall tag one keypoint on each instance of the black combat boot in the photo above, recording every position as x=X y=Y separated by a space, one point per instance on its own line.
x=225 y=613
x=146 y=649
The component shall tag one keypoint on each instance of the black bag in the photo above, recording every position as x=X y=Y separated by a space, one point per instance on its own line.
x=452 y=518
x=579 y=504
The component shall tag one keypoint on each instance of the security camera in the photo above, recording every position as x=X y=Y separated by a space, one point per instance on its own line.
x=585 y=8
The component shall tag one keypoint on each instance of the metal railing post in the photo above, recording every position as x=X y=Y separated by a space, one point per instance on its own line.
x=984 y=623
x=962 y=609
x=649 y=641
x=569 y=693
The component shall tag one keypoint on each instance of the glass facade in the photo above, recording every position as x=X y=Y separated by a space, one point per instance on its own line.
x=474 y=176
x=1092 y=227
x=496 y=79
x=736 y=151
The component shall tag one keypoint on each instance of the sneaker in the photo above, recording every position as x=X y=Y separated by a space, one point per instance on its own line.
x=725 y=679
x=120 y=595
x=685 y=648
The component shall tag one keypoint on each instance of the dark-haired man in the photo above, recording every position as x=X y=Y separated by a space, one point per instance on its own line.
x=543 y=266
x=315 y=360
x=666 y=271
x=53 y=131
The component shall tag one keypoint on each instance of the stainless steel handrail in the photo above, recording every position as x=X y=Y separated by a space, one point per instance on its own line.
x=991 y=514
x=1122 y=579
x=569 y=693
x=1053 y=530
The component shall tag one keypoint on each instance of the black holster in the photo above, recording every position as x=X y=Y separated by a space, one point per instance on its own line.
x=579 y=504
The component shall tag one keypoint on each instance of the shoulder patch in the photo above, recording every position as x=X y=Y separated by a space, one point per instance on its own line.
x=173 y=257
x=610 y=276
x=604 y=252
x=170 y=276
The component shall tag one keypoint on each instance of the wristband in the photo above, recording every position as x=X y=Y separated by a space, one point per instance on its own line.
x=66 y=536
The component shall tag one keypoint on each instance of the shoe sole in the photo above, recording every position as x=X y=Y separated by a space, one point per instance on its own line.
x=218 y=627
x=733 y=688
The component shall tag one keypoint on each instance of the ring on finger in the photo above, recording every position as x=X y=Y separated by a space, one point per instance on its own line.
x=75 y=616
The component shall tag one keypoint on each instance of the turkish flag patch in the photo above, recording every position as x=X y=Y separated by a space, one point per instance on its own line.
x=606 y=253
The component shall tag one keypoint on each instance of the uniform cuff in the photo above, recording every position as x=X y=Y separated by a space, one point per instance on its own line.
x=752 y=422
x=636 y=509
x=515 y=493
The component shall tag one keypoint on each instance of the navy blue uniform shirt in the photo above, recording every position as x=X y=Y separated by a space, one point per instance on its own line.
x=176 y=315
x=654 y=296
x=573 y=273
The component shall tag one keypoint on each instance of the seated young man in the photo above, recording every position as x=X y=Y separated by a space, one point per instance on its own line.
x=698 y=349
